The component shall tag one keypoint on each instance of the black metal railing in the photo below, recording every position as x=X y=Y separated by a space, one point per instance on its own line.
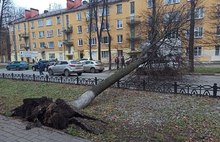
x=144 y=85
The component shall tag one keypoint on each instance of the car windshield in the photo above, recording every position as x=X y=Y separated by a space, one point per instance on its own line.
x=75 y=62
x=98 y=62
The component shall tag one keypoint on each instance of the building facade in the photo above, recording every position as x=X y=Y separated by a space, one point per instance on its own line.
x=64 y=34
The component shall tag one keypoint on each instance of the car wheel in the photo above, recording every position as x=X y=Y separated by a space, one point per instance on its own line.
x=33 y=68
x=8 y=68
x=66 y=73
x=79 y=74
x=27 y=68
x=100 y=70
x=92 y=70
x=50 y=72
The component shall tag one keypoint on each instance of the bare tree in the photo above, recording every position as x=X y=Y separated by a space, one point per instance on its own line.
x=161 y=32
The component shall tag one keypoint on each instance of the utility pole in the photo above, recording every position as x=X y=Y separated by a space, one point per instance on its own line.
x=14 y=40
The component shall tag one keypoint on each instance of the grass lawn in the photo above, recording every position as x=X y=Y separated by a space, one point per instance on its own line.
x=131 y=115
x=207 y=69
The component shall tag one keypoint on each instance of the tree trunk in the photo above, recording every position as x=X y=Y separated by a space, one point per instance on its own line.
x=191 y=36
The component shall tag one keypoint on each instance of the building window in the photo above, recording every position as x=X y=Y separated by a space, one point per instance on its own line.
x=42 y=44
x=49 y=22
x=150 y=3
x=78 y=16
x=105 y=54
x=171 y=1
x=34 y=45
x=40 y=23
x=60 y=43
x=218 y=30
x=50 y=33
x=32 y=25
x=93 y=29
x=19 y=28
x=105 y=26
x=171 y=17
x=119 y=24
x=58 y=20
x=198 y=32
x=119 y=8
x=173 y=34
x=197 y=51
x=105 y=12
x=132 y=7
x=41 y=34
x=105 y=39
x=25 y=27
x=199 y=13
x=119 y=38
x=79 y=29
x=51 y=44
x=218 y=10
x=51 y=55
x=93 y=41
x=217 y=50
x=33 y=35
x=67 y=20
x=59 y=32
x=80 y=42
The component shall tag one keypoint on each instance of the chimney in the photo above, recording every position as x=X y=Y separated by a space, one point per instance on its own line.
x=27 y=14
x=34 y=12
x=73 y=4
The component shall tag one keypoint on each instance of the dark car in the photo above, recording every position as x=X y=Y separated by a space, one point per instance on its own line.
x=46 y=64
x=18 y=65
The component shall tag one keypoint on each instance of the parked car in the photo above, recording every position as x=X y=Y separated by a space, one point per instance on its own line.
x=92 y=66
x=17 y=65
x=66 y=68
x=46 y=64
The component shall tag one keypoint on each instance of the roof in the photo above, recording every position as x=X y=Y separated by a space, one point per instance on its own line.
x=62 y=11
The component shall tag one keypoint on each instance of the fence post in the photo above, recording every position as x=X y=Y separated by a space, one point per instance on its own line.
x=12 y=76
x=77 y=80
x=175 y=87
x=144 y=84
x=215 y=89
x=34 y=77
x=61 y=79
x=96 y=81
x=3 y=75
x=47 y=78
x=22 y=77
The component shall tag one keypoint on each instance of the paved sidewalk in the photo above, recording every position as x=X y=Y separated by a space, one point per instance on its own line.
x=13 y=130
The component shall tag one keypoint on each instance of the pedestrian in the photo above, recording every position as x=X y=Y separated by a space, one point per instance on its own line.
x=40 y=67
x=117 y=62
x=33 y=60
x=122 y=62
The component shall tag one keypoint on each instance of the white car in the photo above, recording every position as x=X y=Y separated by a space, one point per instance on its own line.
x=66 y=67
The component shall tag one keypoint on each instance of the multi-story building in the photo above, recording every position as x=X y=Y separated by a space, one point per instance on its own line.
x=64 y=34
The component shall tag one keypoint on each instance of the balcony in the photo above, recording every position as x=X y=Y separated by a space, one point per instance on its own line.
x=133 y=20
x=68 y=30
x=68 y=43
x=130 y=37
x=24 y=35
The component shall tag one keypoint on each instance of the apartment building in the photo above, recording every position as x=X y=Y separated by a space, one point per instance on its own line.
x=64 y=34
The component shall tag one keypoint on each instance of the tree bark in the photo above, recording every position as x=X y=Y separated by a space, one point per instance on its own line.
x=191 y=36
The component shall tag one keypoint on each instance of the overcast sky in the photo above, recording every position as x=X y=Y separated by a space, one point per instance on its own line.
x=41 y=5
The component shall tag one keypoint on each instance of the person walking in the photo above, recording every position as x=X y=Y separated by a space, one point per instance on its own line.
x=117 y=62
x=40 y=67
x=122 y=62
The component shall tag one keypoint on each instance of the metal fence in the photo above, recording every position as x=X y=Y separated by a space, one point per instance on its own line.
x=142 y=84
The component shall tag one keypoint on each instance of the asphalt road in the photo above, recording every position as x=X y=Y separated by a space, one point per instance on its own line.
x=191 y=79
